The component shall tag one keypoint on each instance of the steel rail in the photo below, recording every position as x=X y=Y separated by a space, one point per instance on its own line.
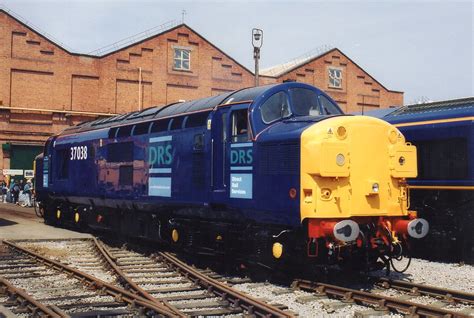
x=36 y=308
x=381 y=302
x=238 y=299
x=118 y=293
x=448 y=295
x=137 y=289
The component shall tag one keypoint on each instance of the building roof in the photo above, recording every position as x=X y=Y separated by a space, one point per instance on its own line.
x=120 y=45
x=274 y=71
x=281 y=69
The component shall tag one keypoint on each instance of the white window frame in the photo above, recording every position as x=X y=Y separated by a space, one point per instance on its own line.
x=181 y=59
x=335 y=74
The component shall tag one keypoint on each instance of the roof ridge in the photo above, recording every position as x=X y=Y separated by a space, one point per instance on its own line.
x=135 y=38
x=35 y=28
x=279 y=69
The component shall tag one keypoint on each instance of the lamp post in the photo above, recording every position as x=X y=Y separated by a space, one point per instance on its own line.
x=257 y=41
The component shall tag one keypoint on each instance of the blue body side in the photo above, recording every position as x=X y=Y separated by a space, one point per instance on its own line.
x=187 y=167
x=445 y=143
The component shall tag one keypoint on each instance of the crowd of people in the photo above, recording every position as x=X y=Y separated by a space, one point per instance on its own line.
x=17 y=192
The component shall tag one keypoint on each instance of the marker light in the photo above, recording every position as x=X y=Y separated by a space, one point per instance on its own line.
x=375 y=187
x=292 y=193
x=340 y=159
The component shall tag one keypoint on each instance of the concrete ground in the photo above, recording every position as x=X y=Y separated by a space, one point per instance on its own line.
x=17 y=222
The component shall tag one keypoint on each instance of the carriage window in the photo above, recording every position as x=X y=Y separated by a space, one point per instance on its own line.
x=275 y=107
x=329 y=108
x=240 y=129
x=304 y=102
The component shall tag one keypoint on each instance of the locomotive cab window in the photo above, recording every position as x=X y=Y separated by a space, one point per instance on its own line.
x=304 y=102
x=240 y=127
x=329 y=108
x=276 y=107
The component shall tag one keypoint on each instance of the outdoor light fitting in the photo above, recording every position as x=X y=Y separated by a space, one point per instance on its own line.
x=257 y=38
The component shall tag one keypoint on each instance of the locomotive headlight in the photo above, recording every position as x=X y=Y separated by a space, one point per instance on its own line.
x=340 y=159
x=375 y=187
x=341 y=132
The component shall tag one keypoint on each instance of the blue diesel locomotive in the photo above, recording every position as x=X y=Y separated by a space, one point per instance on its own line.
x=443 y=192
x=271 y=174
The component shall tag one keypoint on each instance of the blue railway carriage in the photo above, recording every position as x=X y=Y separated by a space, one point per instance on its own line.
x=270 y=174
x=443 y=192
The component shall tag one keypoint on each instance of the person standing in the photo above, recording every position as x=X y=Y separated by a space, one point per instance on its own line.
x=16 y=192
x=11 y=191
x=4 y=191
x=27 y=191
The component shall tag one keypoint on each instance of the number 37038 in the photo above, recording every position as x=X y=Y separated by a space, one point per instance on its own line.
x=79 y=153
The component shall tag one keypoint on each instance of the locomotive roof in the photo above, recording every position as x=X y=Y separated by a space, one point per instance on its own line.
x=170 y=110
x=435 y=110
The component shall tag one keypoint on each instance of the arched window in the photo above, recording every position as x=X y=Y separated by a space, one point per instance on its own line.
x=275 y=107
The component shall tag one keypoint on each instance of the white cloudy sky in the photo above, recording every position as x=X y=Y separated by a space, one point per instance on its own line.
x=424 y=48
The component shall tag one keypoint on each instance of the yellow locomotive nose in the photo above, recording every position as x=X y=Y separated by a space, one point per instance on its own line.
x=354 y=166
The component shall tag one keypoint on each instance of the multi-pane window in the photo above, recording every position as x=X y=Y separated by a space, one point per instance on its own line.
x=182 y=59
x=335 y=77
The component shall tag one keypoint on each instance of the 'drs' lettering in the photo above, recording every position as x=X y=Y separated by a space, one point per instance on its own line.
x=160 y=155
x=241 y=156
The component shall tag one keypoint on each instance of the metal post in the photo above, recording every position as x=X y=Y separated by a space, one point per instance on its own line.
x=256 y=56
x=257 y=41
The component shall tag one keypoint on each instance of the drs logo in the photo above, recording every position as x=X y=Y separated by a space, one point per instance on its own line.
x=160 y=155
x=241 y=156
x=78 y=153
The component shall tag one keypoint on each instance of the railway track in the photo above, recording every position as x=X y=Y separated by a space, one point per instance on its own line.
x=194 y=293
x=36 y=285
x=161 y=280
x=447 y=295
x=377 y=301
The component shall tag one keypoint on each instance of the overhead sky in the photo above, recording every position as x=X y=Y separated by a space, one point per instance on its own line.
x=423 y=48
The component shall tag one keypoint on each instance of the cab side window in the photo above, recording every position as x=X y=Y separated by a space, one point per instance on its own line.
x=240 y=127
x=275 y=107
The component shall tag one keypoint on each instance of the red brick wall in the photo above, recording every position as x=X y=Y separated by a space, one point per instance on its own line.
x=358 y=89
x=36 y=73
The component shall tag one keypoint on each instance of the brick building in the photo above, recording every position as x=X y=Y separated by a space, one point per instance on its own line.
x=45 y=88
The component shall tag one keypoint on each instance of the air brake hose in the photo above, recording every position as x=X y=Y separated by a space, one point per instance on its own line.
x=399 y=257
